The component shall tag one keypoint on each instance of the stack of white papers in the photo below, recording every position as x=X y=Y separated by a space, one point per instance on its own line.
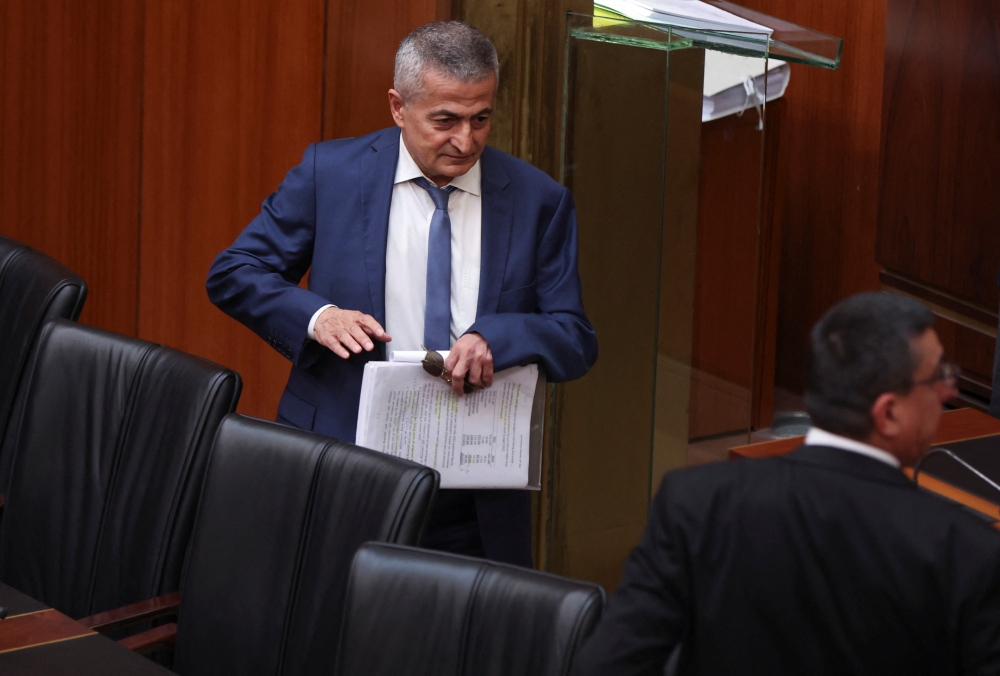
x=734 y=83
x=488 y=439
x=686 y=13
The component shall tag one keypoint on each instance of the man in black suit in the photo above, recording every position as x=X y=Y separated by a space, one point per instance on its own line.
x=828 y=560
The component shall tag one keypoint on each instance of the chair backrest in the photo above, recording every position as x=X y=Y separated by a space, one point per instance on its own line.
x=33 y=289
x=109 y=461
x=419 y=612
x=281 y=516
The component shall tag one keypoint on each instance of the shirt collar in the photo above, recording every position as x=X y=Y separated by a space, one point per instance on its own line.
x=818 y=437
x=407 y=170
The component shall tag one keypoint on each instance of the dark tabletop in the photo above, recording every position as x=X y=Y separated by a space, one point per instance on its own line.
x=85 y=656
x=982 y=453
x=18 y=603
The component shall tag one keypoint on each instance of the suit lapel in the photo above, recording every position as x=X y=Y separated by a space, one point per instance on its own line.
x=377 y=173
x=497 y=212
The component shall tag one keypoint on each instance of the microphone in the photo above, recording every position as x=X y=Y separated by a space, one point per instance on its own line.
x=963 y=463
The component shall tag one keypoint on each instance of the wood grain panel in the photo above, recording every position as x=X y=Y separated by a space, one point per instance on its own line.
x=70 y=119
x=942 y=302
x=726 y=271
x=503 y=21
x=362 y=38
x=735 y=304
x=768 y=270
x=967 y=331
x=956 y=425
x=830 y=146
x=940 y=183
x=909 y=203
x=32 y=629
x=232 y=97
x=530 y=39
x=973 y=351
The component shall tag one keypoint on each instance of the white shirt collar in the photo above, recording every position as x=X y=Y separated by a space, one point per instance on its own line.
x=407 y=170
x=818 y=437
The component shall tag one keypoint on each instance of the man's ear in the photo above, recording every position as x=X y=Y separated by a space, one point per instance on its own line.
x=396 y=106
x=885 y=415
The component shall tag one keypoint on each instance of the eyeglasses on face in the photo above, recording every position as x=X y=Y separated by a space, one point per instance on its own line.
x=947 y=372
x=433 y=363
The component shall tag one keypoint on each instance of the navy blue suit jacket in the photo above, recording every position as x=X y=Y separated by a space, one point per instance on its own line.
x=331 y=214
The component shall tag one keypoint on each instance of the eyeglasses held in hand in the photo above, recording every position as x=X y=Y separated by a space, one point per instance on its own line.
x=433 y=363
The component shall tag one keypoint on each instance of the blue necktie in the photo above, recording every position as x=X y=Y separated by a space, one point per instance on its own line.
x=437 y=311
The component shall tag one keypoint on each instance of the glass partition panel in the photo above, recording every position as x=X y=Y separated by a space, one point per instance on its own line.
x=669 y=217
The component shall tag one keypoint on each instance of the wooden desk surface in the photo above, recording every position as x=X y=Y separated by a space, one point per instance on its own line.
x=958 y=425
x=35 y=639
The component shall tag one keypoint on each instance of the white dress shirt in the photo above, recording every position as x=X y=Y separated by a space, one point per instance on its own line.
x=410 y=214
x=818 y=437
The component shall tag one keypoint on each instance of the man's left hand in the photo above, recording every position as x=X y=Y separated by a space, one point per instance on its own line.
x=470 y=356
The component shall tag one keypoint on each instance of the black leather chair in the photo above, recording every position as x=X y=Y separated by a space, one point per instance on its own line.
x=417 y=612
x=281 y=516
x=109 y=462
x=33 y=289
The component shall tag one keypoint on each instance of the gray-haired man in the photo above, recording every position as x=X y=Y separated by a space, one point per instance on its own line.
x=418 y=234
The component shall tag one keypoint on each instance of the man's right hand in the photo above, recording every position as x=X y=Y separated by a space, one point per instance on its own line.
x=347 y=331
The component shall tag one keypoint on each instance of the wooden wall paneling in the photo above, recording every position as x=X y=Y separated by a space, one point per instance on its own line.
x=232 y=97
x=974 y=351
x=735 y=305
x=530 y=39
x=975 y=212
x=940 y=206
x=913 y=99
x=768 y=283
x=70 y=119
x=830 y=148
x=968 y=333
x=938 y=235
x=504 y=22
x=738 y=272
x=362 y=38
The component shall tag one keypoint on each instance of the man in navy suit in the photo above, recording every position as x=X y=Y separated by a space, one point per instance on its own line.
x=414 y=235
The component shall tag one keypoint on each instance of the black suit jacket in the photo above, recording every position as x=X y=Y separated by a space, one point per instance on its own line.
x=820 y=562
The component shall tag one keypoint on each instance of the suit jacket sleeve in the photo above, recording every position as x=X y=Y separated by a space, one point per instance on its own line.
x=255 y=280
x=979 y=606
x=647 y=614
x=558 y=334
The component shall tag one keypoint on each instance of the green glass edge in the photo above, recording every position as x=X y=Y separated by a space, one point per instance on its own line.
x=757 y=45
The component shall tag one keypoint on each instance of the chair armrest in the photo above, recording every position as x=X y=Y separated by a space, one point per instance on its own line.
x=150 y=609
x=157 y=638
